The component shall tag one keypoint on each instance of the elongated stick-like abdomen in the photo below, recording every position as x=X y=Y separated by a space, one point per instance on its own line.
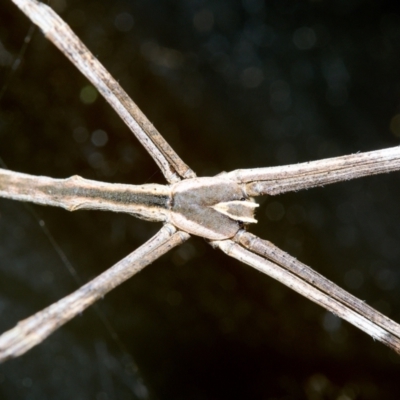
x=150 y=202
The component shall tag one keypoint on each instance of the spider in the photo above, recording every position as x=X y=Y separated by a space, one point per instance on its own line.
x=221 y=204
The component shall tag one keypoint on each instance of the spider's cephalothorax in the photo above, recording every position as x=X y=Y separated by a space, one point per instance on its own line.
x=214 y=208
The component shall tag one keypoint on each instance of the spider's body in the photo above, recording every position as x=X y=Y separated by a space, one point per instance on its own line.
x=214 y=208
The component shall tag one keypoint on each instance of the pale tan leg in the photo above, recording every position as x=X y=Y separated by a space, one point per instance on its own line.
x=33 y=330
x=366 y=321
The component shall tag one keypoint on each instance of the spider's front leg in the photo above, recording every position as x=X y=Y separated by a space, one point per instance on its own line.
x=289 y=178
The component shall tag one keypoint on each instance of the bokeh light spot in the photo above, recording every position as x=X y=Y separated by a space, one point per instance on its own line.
x=88 y=94
x=203 y=21
x=304 y=38
x=124 y=22
x=252 y=77
x=99 y=138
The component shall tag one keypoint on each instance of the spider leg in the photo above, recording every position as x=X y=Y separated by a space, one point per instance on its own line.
x=33 y=330
x=272 y=261
x=288 y=178
x=56 y=30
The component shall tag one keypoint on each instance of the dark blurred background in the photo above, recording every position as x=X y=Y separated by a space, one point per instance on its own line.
x=230 y=84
